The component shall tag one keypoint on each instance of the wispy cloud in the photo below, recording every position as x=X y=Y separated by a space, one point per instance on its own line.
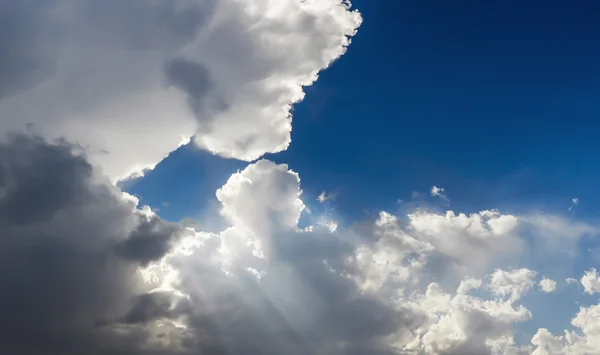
x=574 y=202
x=439 y=192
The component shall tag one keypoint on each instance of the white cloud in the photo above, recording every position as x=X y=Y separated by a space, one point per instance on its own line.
x=574 y=202
x=309 y=269
x=389 y=262
x=557 y=230
x=324 y=196
x=132 y=81
x=466 y=324
x=393 y=259
x=467 y=285
x=511 y=284
x=591 y=281
x=438 y=192
x=584 y=340
x=547 y=285
x=468 y=240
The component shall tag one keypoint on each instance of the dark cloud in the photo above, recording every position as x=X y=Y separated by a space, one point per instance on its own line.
x=151 y=240
x=149 y=307
x=59 y=275
x=26 y=59
x=190 y=77
x=37 y=180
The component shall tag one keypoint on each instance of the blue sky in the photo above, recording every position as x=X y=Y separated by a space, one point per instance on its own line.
x=300 y=177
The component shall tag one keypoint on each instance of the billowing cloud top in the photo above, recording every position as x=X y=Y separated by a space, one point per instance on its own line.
x=131 y=80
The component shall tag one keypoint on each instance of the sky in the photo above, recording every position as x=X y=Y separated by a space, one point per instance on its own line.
x=299 y=177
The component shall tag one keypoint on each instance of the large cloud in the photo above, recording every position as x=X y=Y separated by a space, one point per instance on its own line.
x=86 y=271
x=132 y=80
x=265 y=286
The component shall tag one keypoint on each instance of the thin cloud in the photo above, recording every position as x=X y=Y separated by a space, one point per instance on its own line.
x=574 y=202
x=439 y=192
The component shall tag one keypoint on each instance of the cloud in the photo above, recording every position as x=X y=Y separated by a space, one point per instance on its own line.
x=574 y=202
x=68 y=266
x=120 y=71
x=325 y=197
x=353 y=291
x=583 y=340
x=305 y=300
x=470 y=241
x=465 y=324
x=145 y=76
x=571 y=280
x=511 y=284
x=438 y=192
x=591 y=281
x=87 y=270
x=554 y=234
x=547 y=285
x=97 y=272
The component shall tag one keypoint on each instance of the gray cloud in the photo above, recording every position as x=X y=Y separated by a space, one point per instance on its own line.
x=150 y=241
x=149 y=307
x=59 y=274
x=26 y=60
x=195 y=80
x=37 y=180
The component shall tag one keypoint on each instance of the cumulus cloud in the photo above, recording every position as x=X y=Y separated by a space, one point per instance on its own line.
x=583 y=340
x=97 y=272
x=591 y=281
x=511 y=284
x=132 y=80
x=547 y=285
x=468 y=241
x=353 y=291
x=461 y=322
